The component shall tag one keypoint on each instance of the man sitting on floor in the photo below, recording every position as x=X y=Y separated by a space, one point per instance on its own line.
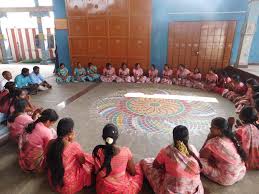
x=37 y=78
x=7 y=77
x=23 y=81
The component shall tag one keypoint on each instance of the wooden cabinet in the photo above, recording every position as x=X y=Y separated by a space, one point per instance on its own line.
x=113 y=31
x=202 y=44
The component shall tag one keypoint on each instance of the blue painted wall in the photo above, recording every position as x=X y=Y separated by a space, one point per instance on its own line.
x=254 y=52
x=161 y=20
x=62 y=35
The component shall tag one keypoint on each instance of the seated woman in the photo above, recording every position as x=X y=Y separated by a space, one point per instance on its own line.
x=248 y=134
x=124 y=74
x=33 y=142
x=247 y=99
x=79 y=73
x=223 y=83
x=153 y=75
x=195 y=79
x=236 y=89
x=211 y=80
x=138 y=74
x=70 y=169
x=222 y=156
x=176 y=168
x=182 y=75
x=63 y=74
x=92 y=73
x=114 y=166
x=109 y=73
x=19 y=119
x=23 y=94
x=167 y=75
x=7 y=97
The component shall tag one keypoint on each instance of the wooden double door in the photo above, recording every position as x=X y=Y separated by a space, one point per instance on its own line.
x=201 y=44
x=115 y=31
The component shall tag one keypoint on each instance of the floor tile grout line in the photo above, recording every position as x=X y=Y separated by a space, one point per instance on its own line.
x=73 y=98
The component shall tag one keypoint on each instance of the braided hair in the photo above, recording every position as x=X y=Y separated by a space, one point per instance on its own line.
x=54 y=154
x=110 y=136
x=46 y=115
x=19 y=107
x=226 y=130
x=181 y=133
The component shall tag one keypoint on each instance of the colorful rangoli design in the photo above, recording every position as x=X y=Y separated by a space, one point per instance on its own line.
x=155 y=115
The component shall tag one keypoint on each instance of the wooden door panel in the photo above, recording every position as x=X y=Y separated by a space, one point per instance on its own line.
x=97 y=26
x=231 y=31
x=118 y=47
x=143 y=62
x=75 y=8
x=82 y=59
x=118 y=7
x=139 y=26
x=175 y=60
x=141 y=7
x=77 y=27
x=78 y=46
x=138 y=47
x=97 y=47
x=194 y=62
x=119 y=26
x=116 y=63
x=97 y=7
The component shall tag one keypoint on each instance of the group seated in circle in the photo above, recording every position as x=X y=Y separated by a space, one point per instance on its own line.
x=230 y=87
x=230 y=150
x=224 y=158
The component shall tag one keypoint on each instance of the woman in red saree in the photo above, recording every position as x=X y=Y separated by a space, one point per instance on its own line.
x=247 y=99
x=222 y=156
x=33 y=142
x=248 y=134
x=236 y=89
x=153 y=75
x=115 y=170
x=176 y=169
x=69 y=167
x=211 y=80
x=19 y=119
x=167 y=75
x=195 y=79
x=7 y=97
x=182 y=75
